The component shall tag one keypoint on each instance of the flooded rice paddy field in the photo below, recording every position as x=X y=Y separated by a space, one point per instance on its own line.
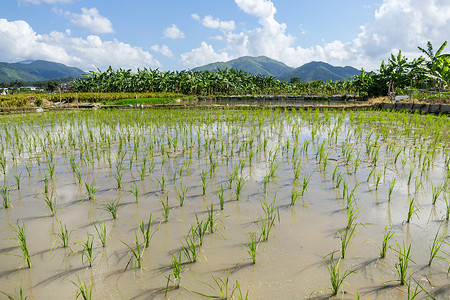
x=184 y=204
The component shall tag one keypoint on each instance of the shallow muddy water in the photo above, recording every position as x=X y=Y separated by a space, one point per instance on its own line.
x=366 y=164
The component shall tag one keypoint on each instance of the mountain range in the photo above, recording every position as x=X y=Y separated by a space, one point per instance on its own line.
x=263 y=65
x=38 y=70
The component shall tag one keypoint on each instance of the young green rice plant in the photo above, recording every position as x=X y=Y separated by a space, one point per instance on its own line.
x=181 y=193
x=46 y=183
x=267 y=221
x=145 y=230
x=87 y=253
x=265 y=184
x=111 y=207
x=118 y=176
x=203 y=176
x=90 y=189
x=84 y=290
x=345 y=238
x=17 y=178
x=165 y=208
x=404 y=257
x=339 y=179
x=200 y=230
x=210 y=221
x=162 y=183
x=176 y=273
x=221 y=196
x=305 y=183
x=102 y=234
x=334 y=271
x=4 y=190
x=18 y=295
x=388 y=235
x=410 y=176
x=417 y=184
x=63 y=234
x=412 y=209
x=50 y=201
x=221 y=288
x=378 y=180
x=294 y=194
x=22 y=242
x=135 y=191
x=239 y=186
x=253 y=241
x=136 y=253
x=436 y=192
x=189 y=248
x=391 y=189
x=436 y=247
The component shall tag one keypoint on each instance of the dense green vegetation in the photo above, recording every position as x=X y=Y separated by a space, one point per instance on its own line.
x=395 y=76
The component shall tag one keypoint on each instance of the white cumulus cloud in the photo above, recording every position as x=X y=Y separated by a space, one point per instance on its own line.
x=202 y=55
x=209 y=22
x=173 y=32
x=91 y=19
x=164 y=50
x=18 y=41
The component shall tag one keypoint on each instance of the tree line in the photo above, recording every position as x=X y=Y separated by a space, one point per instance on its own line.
x=393 y=76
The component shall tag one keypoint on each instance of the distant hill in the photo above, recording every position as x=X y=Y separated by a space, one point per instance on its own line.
x=38 y=70
x=317 y=70
x=267 y=66
x=254 y=65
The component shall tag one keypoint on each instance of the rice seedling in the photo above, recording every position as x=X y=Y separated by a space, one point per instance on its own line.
x=391 y=189
x=176 y=273
x=135 y=192
x=63 y=234
x=412 y=209
x=412 y=294
x=17 y=178
x=253 y=241
x=436 y=192
x=239 y=187
x=22 y=241
x=162 y=183
x=221 y=288
x=436 y=247
x=378 y=181
x=165 y=208
x=84 y=290
x=221 y=196
x=200 y=230
x=46 y=182
x=90 y=189
x=4 y=190
x=87 y=252
x=305 y=183
x=404 y=257
x=181 y=193
x=111 y=207
x=189 y=248
x=334 y=270
x=145 y=230
x=447 y=208
x=203 y=176
x=294 y=194
x=388 y=235
x=345 y=238
x=102 y=234
x=50 y=201
x=18 y=295
x=267 y=221
x=210 y=221
x=136 y=253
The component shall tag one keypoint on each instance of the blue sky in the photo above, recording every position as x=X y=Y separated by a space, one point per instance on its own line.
x=182 y=34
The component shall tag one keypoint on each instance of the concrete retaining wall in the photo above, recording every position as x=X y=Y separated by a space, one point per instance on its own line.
x=416 y=107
